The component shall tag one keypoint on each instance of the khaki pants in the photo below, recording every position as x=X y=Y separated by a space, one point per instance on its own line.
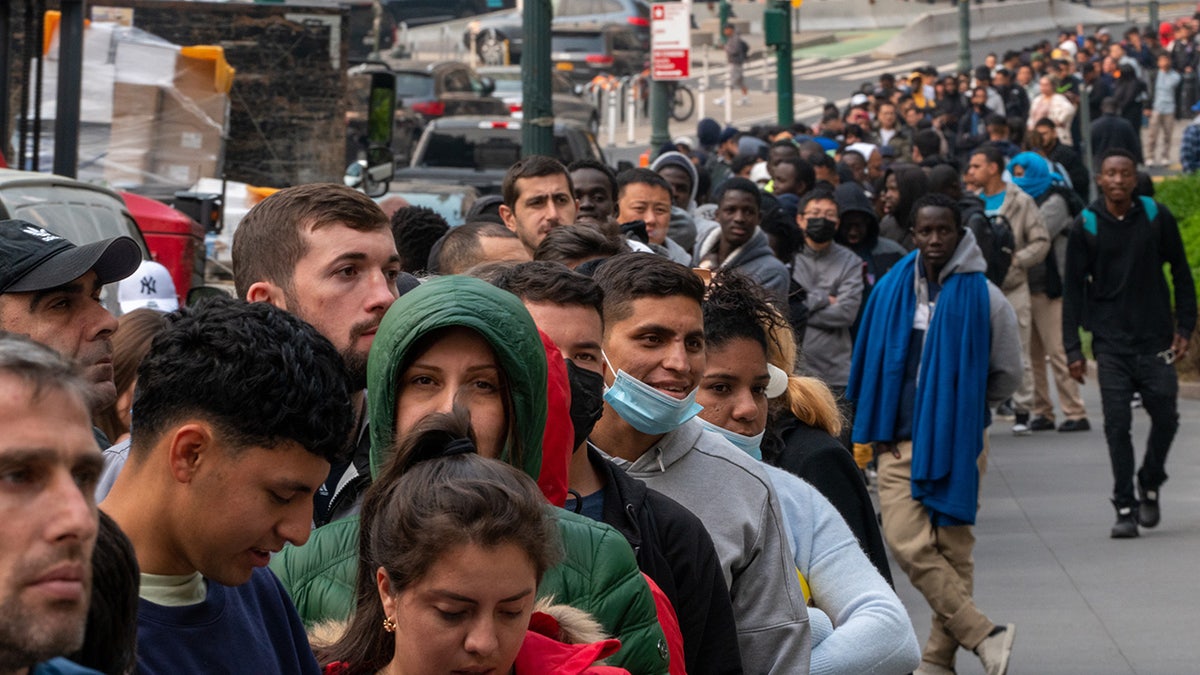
x=1019 y=299
x=1047 y=343
x=938 y=560
x=1160 y=123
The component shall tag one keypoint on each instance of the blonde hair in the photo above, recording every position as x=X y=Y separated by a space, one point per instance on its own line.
x=808 y=398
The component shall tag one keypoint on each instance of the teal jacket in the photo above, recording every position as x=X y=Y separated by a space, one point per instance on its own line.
x=599 y=573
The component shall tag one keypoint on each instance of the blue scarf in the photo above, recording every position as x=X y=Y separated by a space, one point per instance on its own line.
x=1037 y=178
x=951 y=404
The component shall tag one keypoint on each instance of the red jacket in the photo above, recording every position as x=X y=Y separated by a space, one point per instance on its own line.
x=542 y=654
x=559 y=436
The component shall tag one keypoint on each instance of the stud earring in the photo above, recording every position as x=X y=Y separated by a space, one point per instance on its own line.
x=389 y=625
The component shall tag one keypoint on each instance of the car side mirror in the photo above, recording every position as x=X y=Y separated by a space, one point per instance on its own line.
x=489 y=86
x=380 y=166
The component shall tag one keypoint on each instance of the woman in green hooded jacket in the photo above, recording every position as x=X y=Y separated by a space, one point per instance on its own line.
x=599 y=573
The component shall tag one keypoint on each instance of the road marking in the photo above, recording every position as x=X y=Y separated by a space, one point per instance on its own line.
x=818 y=70
x=873 y=69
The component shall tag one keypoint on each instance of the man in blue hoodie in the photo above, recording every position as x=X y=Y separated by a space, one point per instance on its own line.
x=937 y=343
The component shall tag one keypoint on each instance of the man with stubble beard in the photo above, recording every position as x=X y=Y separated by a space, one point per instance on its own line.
x=325 y=253
x=50 y=292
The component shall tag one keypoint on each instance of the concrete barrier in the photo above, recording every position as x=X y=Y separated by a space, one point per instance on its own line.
x=939 y=28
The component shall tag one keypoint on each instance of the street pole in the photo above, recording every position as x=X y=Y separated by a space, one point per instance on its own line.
x=660 y=106
x=70 y=87
x=537 y=130
x=1085 y=130
x=777 y=34
x=785 y=102
x=964 y=36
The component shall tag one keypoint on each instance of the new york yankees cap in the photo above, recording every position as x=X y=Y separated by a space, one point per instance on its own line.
x=150 y=287
x=34 y=259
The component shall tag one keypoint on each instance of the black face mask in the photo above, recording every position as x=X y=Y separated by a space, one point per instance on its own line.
x=820 y=230
x=587 y=400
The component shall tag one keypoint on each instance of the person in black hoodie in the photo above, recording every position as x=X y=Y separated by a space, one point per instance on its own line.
x=671 y=544
x=1114 y=286
x=859 y=231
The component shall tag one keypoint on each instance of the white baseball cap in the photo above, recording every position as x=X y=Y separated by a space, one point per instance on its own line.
x=150 y=287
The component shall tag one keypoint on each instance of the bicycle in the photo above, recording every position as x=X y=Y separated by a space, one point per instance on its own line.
x=682 y=100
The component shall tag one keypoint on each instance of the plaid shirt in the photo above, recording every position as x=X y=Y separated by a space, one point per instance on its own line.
x=1189 y=153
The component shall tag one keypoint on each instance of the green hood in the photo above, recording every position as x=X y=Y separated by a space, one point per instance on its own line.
x=496 y=315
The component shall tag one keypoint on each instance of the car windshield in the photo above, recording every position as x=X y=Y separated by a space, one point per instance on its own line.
x=484 y=149
x=508 y=86
x=479 y=149
x=413 y=85
x=577 y=43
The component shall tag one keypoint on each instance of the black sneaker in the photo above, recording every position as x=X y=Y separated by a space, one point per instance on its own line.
x=1080 y=424
x=1040 y=423
x=1148 y=513
x=1021 y=424
x=1005 y=410
x=1126 y=526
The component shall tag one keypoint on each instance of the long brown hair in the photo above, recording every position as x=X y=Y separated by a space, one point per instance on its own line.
x=131 y=343
x=421 y=506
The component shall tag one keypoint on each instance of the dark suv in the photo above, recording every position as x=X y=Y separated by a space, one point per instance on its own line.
x=581 y=53
x=421 y=12
x=492 y=33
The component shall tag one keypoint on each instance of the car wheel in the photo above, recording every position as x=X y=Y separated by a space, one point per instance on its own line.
x=490 y=48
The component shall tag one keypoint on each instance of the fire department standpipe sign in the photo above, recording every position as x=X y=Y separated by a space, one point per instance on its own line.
x=670 y=41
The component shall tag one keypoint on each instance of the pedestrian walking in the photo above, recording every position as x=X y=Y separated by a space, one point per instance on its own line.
x=1162 y=111
x=1115 y=288
x=736 y=51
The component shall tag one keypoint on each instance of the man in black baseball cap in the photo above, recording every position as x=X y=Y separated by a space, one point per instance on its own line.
x=50 y=291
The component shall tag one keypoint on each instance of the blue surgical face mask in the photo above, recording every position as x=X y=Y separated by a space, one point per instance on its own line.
x=751 y=445
x=647 y=409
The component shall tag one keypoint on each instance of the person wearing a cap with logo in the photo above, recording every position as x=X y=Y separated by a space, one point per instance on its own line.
x=50 y=292
x=150 y=287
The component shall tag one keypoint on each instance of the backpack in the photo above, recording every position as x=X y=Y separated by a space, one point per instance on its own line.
x=744 y=48
x=994 y=236
x=1075 y=204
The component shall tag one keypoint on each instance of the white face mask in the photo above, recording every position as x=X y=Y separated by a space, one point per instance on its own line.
x=751 y=445
x=647 y=409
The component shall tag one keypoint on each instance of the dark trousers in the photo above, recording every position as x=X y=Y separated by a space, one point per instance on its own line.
x=1120 y=376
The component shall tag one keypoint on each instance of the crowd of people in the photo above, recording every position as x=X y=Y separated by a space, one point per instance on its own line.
x=612 y=422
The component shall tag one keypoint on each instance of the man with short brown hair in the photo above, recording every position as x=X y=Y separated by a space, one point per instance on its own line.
x=538 y=196
x=325 y=253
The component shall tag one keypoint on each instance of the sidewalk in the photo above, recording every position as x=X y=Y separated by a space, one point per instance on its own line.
x=1083 y=603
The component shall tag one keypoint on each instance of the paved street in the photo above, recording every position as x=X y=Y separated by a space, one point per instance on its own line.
x=1084 y=603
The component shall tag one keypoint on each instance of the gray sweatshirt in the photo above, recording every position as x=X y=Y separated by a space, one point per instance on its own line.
x=733 y=496
x=837 y=271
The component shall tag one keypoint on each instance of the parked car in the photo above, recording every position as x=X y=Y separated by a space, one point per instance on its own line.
x=80 y=212
x=477 y=151
x=584 y=52
x=446 y=89
x=499 y=38
x=421 y=12
x=450 y=201
x=567 y=97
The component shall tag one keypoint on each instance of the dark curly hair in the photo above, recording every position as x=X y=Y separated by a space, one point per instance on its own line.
x=258 y=374
x=937 y=200
x=415 y=229
x=737 y=307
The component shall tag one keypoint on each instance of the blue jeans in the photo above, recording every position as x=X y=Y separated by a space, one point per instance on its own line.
x=1120 y=376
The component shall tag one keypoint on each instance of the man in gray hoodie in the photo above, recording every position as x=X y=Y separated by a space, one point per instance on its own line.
x=739 y=243
x=654 y=349
x=833 y=277
x=687 y=225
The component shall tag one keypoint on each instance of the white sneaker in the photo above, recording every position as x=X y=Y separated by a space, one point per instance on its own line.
x=745 y=100
x=719 y=101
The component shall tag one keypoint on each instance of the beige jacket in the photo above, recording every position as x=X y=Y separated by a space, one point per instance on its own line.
x=1029 y=231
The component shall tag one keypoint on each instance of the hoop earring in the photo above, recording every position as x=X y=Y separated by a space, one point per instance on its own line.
x=389 y=625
